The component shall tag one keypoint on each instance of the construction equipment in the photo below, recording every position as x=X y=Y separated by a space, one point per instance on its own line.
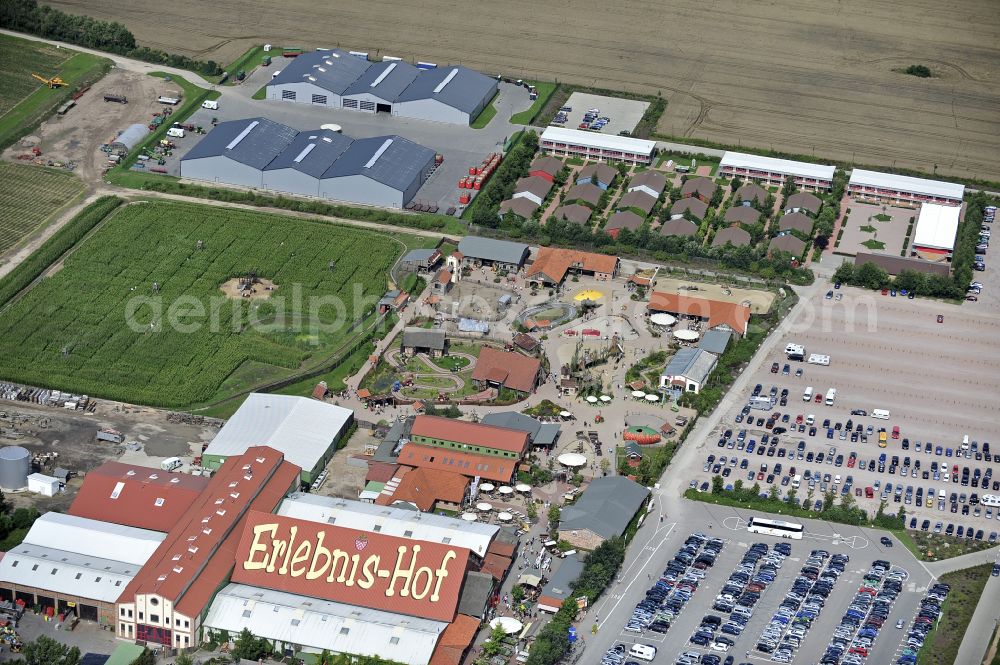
x=53 y=82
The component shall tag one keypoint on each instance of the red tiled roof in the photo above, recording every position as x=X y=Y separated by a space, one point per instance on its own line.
x=468 y=464
x=476 y=434
x=495 y=565
x=424 y=487
x=319 y=392
x=364 y=393
x=444 y=276
x=716 y=311
x=136 y=496
x=522 y=371
x=390 y=573
x=380 y=472
x=501 y=547
x=554 y=263
x=205 y=539
x=455 y=639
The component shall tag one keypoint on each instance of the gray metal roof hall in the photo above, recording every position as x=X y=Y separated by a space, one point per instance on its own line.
x=606 y=507
x=254 y=142
x=493 y=251
x=456 y=86
x=335 y=70
x=391 y=160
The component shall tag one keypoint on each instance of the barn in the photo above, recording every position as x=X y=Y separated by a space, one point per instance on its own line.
x=453 y=94
x=379 y=86
x=384 y=171
x=299 y=168
x=236 y=152
x=319 y=78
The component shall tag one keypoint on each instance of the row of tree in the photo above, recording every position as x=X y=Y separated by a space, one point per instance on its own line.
x=109 y=36
x=501 y=185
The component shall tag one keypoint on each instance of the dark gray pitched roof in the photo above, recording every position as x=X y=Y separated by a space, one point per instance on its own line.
x=503 y=251
x=678 y=227
x=733 y=235
x=654 y=180
x=548 y=164
x=418 y=255
x=742 y=214
x=540 y=434
x=704 y=187
x=694 y=364
x=465 y=89
x=626 y=219
x=751 y=191
x=254 y=141
x=326 y=148
x=599 y=171
x=390 y=160
x=475 y=593
x=788 y=243
x=637 y=199
x=424 y=338
x=796 y=220
x=697 y=207
x=560 y=585
x=332 y=70
x=576 y=213
x=896 y=264
x=535 y=184
x=803 y=200
x=715 y=340
x=606 y=507
x=588 y=192
x=522 y=206
x=398 y=75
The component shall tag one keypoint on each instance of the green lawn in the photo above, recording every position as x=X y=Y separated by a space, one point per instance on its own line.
x=545 y=90
x=30 y=197
x=488 y=113
x=941 y=644
x=871 y=243
x=685 y=160
x=883 y=218
x=246 y=62
x=25 y=101
x=869 y=229
x=260 y=94
x=98 y=327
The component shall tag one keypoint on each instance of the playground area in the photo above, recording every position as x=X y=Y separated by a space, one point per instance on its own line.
x=547 y=315
x=423 y=377
x=759 y=301
x=603 y=327
x=593 y=295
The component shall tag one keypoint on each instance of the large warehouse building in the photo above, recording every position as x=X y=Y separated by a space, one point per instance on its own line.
x=383 y=171
x=771 y=171
x=902 y=189
x=937 y=228
x=337 y=79
x=596 y=147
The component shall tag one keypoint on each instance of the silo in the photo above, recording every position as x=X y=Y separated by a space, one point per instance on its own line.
x=15 y=465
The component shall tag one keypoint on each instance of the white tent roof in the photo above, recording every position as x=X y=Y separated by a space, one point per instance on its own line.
x=905 y=183
x=320 y=624
x=937 y=226
x=597 y=140
x=786 y=166
x=83 y=557
x=392 y=521
x=301 y=428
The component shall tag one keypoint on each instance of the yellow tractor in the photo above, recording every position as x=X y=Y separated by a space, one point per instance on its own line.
x=53 y=82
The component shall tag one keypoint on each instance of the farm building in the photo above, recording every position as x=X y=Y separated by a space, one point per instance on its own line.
x=751 y=194
x=545 y=167
x=937 y=227
x=472 y=465
x=796 y=221
x=733 y=235
x=67 y=562
x=651 y=182
x=539 y=434
x=552 y=265
x=574 y=213
x=422 y=340
x=742 y=215
x=599 y=174
x=695 y=208
x=560 y=586
x=771 y=171
x=897 y=264
x=336 y=79
x=534 y=188
x=423 y=260
x=717 y=313
x=130 y=138
x=426 y=490
x=507 y=369
x=604 y=510
x=522 y=206
x=504 y=254
x=689 y=369
x=715 y=340
x=478 y=438
x=626 y=219
x=596 y=147
x=902 y=189
x=679 y=227
x=803 y=202
x=383 y=171
x=305 y=431
x=702 y=188
x=787 y=242
x=585 y=192
x=637 y=200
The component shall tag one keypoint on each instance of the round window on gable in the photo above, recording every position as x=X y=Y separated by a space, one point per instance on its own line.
x=154 y=601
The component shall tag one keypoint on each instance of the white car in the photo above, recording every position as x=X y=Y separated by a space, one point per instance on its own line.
x=719 y=646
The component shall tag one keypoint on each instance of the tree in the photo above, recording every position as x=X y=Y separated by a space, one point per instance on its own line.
x=532 y=511
x=145 y=658
x=717 y=484
x=789 y=187
x=185 y=659
x=554 y=514
x=844 y=273
x=772 y=492
x=847 y=501
x=791 y=496
x=494 y=644
x=605 y=465
x=871 y=276
x=517 y=593
x=47 y=651
x=250 y=647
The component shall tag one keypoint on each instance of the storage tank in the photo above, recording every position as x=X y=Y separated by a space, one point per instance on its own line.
x=15 y=465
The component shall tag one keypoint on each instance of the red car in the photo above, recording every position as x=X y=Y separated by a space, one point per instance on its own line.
x=798 y=419
x=774 y=368
x=851 y=461
x=940 y=319
x=819 y=398
x=895 y=431
x=885 y=292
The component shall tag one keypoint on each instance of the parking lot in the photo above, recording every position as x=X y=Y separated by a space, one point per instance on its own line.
x=461 y=147
x=933 y=380
x=622 y=114
x=731 y=584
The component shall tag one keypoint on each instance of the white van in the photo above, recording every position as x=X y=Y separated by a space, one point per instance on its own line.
x=210 y=104
x=642 y=652
x=807 y=394
x=810 y=419
x=881 y=414
x=831 y=395
x=176 y=132
x=171 y=463
x=965 y=442
x=796 y=481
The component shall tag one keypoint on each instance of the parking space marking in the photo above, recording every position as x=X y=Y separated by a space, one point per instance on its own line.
x=735 y=523
x=619 y=595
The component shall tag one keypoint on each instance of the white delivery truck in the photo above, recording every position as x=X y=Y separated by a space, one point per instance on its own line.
x=818 y=359
x=761 y=402
x=795 y=351
x=881 y=414
x=831 y=395
x=171 y=463
x=175 y=132
x=210 y=104
x=807 y=394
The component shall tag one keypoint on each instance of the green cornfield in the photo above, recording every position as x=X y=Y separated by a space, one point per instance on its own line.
x=136 y=313
x=29 y=195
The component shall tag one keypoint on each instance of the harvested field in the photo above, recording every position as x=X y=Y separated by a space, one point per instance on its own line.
x=790 y=76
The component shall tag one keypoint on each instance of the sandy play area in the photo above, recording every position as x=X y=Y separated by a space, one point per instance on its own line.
x=262 y=289
x=760 y=301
